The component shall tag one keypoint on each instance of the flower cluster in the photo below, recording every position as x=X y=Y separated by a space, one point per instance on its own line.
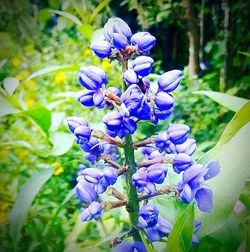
x=141 y=100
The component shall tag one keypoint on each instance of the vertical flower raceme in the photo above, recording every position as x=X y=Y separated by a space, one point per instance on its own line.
x=173 y=148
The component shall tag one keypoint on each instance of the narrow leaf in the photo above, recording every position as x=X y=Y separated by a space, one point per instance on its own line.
x=18 y=143
x=67 y=15
x=241 y=118
x=10 y=84
x=100 y=6
x=6 y=108
x=176 y=234
x=231 y=102
x=145 y=242
x=62 y=142
x=52 y=69
x=42 y=117
x=24 y=200
x=86 y=30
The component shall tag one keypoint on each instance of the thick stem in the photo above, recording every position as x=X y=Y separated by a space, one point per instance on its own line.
x=133 y=201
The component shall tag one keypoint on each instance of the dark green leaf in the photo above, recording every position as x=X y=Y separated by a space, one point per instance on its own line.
x=24 y=200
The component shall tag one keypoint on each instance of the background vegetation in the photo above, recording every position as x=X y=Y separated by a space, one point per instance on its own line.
x=43 y=45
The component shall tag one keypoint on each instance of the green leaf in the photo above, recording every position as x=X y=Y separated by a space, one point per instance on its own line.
x=241 y=118
x=62 y=142
x=6 y=108
x=100 y=6
x=245 y=53
x=41 y=116
x=183 y=226
x=52 y=69
x=24 y=200
x=145 y=242
x=56 y=120
x=10 y=84
x=86 y=30
x=231 y=102
x=228 y=184
x=52 y=105
x=67 y=15
x=17 y=143
x=68 y=94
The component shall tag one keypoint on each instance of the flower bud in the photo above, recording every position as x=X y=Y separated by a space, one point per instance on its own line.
x=148 y=216
x=92 y=146
x=187 y=147
x=130 y=77
x=74 y=121
x=110 y=175
x=181 y=162
x=92 y=77
x=92 y=212
x=213 y=170
x=85 y=192
x=142 y=65
x=113 y=121
x=86 y=98
x=101 y=49
x=194 y=175
x=178 y=133
x=157 y=173
x=170 y=80
x=92 y=175
x=204 y=199
x=149 y=188
x=83 y=133
x=186 y=194
x=164 y=101
x=90 y=158
x=116 y=25
x=143 y=40
x=98 y=99
x=139 y=178
x=161 y=114
x=119 y=41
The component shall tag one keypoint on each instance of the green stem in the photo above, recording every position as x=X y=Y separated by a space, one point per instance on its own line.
x=133 y=201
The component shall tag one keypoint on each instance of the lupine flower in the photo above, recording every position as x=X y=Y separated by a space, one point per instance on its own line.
x=142 y=65
x=181 y=162
x=148 y=216
x=197 y=225
x=119 y=41
x=91 y=157
x=140 y=178
x=164 y=101
x=146 y=151
x=142 y=112
x=137 y=246
x=92 y=175
x=143 y=40
x=74 y=121
x=86 y=98
x=188 y=147
x=83 y=133
x=163 y=143
x=92 y=77
x=213 y=170
x=156 y=173
x=101 y=49
x=204 y=199
x=178 y=133
x=169 y=81
x=130 y=77
x=92 y=146
x=85 y=191
x=161 y=114
x=93 y=211
x=116 y=25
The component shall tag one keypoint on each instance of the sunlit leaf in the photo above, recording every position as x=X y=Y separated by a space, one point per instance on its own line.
x=238 y=121
x=42 y=117
x=245 y=53
x=24 y=200
x=68 y=94
x=228 y=184
x=86 y=30
x=17 y=143
x=62 y=142
x=56 y=120
x=231 y=102
x=67 y=15
x=100 y=6
x=6 y=108
x=183 y=223
x=52 y=105
x=10 y=84
x=52 y=69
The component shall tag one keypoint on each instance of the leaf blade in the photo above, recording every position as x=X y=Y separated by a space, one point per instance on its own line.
x=67 y=15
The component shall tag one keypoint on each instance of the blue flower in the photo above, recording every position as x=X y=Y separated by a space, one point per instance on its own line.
x=86 y=98
x=137 y=246
x=119 y=41
x=178 y=133
x=181 y=162
x=163 y=143
x=143 y=40
x=93 y=211
x=92 y=77
x=92 y=146
x=169 y=81
x=156 y=173
x=130 y=77
x=83 y=133
x=101 y=49
x=188 y=147
x=74 y=121
x=142 y=65
x=148 y=216
x=164 y=101
x=85 y=191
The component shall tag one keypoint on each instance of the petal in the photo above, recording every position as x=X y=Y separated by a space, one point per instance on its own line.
x=204 y=199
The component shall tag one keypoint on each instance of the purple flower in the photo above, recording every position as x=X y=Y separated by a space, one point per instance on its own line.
x=158 y=114
x=130 y=77
x=116 y=25
x=163 y=143
x=204 y=199
x=83 y=133
x=213 y=170
x=93 y=211
x=92 y=175
x=146 y=151
x=181 y=162
x=92 y=146
x=164 y=101
x=101 y=49
x=156 y=173
x=137 y=246
x=194 y=175
x=119 y=41
x=142 y=65
x=148 y=216
x=143 y=40
x=178 y=133
x=187 y=147
x=139 y=178
x=92 y=77
x=91 y=157
x=86 y=98
x=170 y=80
x=85 y=191
x=74 y=121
